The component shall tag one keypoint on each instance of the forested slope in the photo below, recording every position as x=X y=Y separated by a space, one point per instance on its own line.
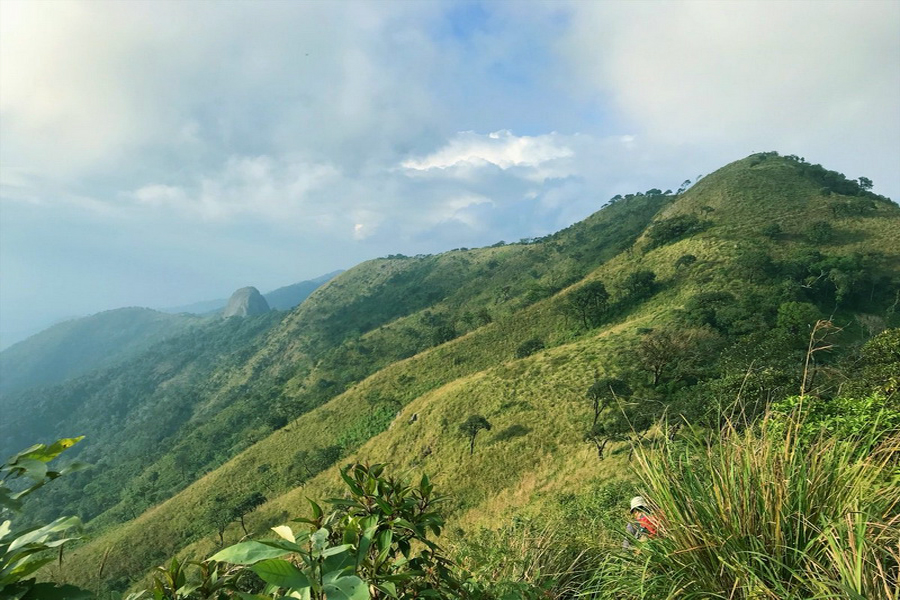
x=85 y=344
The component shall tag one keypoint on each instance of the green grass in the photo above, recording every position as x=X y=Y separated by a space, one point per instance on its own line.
x=752 y=515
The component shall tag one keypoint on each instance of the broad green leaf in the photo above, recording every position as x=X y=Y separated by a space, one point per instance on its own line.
x=74 y=467
x=303 y=594
x=286 y=545
x=26 y=567
x=285 y=532
x=384 y=506
x=12 y=459
x=247 y=553
x=319 y=540
x=387 y=588
x=353 y=485
x=49 y=591
x=187 y=589
x=370 y=526
x=316 y=509
x=42 y=452
x=337 y=565
x=48 y=453
x=281 y=573
x=41 y=534
x=335 y=550
x=347 y=588
x=32 y=468
x=385 y=538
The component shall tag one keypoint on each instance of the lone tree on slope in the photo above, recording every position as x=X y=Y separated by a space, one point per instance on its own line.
x=470 y=428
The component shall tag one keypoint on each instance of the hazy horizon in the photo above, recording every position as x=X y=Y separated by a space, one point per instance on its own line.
x=161 y=154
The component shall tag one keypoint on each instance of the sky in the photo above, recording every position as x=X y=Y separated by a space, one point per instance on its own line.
x=162 y=153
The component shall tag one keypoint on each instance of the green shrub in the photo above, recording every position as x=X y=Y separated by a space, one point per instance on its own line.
x=529 y=347
x=820 y=232
x=771 y=231
x=674 y=228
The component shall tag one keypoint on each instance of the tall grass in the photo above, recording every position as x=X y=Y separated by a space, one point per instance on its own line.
x=755 y=515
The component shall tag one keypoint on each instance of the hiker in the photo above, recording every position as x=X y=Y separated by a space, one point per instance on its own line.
x=644 y=526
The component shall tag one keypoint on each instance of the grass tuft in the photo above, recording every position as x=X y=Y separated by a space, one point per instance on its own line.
x=755 y=515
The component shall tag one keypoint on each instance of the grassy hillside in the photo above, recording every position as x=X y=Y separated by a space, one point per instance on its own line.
x=85 y=344
x=702 y=301
x=195 y=401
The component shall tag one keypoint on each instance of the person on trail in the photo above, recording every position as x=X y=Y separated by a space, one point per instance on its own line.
x=644 y=526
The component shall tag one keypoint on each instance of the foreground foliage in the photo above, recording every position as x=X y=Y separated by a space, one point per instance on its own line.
x=753 y=515
x=24 y=550
x=374 y=543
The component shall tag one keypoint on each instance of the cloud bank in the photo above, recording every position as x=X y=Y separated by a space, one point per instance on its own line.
x=163 y=153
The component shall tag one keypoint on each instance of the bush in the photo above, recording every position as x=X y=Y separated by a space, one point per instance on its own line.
x=685 y=260
x=820 y=232
x=375 y=543
x=771 y=231
x=529 y=347
x=669 y=230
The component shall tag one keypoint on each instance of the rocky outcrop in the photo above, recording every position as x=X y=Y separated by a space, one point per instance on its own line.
x=246 y=302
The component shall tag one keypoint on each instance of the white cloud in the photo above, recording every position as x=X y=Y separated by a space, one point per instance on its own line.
x=818 y=79
x=90 y=88
x=274 y=189
x=502 y=149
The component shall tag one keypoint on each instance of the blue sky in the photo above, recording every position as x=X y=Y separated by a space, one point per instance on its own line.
x=160 y=153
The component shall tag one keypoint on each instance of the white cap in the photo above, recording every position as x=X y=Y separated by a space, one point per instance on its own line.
x=638 y=502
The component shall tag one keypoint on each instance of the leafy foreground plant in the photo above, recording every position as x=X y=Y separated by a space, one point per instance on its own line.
x=760 y=516
x=374 y=544
x=23 y=550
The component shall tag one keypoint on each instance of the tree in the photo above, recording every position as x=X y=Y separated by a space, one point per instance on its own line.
x=603 y=391
x=865 y=184
x=674 y=228
x=249 y=503
x=820 y=232
x=218 y=515
x=754 y=264
x=622 y=422
x=588 y=303
x=470 y=428
x=674 y=354
x=442 y=334
x=639 y=285
x=308 y=463
x=704 y=308
x=797 y=319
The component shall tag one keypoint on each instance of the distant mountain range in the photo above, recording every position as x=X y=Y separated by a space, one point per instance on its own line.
x=80 y=345
x=283 y=298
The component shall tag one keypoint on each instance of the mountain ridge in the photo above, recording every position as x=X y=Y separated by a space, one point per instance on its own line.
x=501 y=332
